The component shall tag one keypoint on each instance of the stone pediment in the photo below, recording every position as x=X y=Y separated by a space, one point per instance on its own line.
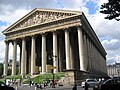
x=40 y=16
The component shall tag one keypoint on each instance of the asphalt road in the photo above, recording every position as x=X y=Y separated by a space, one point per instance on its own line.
x=48 y=88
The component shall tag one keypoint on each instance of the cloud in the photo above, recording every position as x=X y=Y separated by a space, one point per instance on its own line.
x=11 y=5
x=2 y=49
x=113 y=44
x=11 y=17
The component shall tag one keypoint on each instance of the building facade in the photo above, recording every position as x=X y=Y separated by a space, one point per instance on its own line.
x=60 y=38
x=114 y=70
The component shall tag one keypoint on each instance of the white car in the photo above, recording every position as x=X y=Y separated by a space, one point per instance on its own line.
x=90 y=82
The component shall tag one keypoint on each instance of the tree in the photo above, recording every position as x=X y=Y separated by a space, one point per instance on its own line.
x=112 y=9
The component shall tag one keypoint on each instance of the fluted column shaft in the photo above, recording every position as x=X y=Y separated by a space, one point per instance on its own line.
x=23 y=57
x=6 y=58
x=81 y=49
x=55 y=52
x=67 y=49
x=88 y=54
x=33 y=56
x=14 y=58
x=44 y=55
x=91 y=56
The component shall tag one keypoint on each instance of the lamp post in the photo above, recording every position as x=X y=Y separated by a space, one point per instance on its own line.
x=53 y=58
x=53 y=67
x=53 y=76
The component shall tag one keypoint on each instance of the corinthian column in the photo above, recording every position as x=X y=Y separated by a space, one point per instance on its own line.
x=67 y=50
x=14 y=58
x=33 y=56
x=6 y=58
x=55 y=52
x=44 y=56
x=23 y=57
x=81 y=50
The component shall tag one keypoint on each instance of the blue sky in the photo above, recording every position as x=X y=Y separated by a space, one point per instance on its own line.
x=91 y=7
x=3 y=23
x=107 y=31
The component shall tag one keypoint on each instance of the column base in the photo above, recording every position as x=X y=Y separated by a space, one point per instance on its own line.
x=43 y=73
x=4 y=75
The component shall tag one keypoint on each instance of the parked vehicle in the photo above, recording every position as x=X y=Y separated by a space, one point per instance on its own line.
x=109 y=84
x=3 y=86
x=90 y=82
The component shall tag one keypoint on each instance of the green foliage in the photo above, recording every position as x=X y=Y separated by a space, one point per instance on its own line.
x=17 y=71
x=44 y=77
x=13 y=77
x=112 y=9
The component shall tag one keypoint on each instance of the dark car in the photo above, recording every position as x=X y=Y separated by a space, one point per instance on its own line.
x=109 y=84
x=3 y=86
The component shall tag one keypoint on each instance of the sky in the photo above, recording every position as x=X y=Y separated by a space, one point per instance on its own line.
x=108 y=31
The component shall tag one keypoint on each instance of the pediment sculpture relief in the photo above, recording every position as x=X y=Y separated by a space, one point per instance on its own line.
x=40 y=17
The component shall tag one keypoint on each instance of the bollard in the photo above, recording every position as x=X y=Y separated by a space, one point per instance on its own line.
x=35 y=88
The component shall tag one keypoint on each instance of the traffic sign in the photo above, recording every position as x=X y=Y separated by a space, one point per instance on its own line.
x=53 y=67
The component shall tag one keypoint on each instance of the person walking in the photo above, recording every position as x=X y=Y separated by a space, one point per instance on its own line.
x=75 y=87
x=30 y=82
x=86 y=86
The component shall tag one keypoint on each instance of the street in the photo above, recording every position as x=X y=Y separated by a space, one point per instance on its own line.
x=48 y=88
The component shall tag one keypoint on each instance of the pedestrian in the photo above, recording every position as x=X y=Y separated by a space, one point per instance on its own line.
x=86 y=86
x=30 y=82
x=40 y=86
x=44 y=84
x=51 y=83
x=75 y=87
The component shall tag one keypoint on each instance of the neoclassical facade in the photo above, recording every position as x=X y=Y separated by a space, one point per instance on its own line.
x=60 y=38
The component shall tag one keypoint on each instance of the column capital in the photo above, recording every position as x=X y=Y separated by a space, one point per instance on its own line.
x=67 y=29
x=54 y=33
x=78 y=27
x=7 y=42
x=44 y=34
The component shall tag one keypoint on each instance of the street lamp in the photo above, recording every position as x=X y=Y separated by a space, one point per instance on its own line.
x=53 y=58
x=53 y=67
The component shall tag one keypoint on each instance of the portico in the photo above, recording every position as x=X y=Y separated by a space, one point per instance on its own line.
x=64 y=36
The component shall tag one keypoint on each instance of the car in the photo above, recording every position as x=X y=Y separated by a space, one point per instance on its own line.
x=3 y=86
x=109 y=84
x=90 y=82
